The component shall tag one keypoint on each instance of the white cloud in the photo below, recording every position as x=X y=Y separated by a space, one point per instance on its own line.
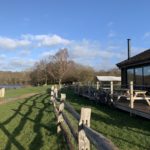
x=24 y=52
x=20 y=64
x=16 y=64
x=47 y=40
x=9 y=43
x=93 y=54
x=88 y=49
x=48 y=53
x=85 y=52
x=33 y=40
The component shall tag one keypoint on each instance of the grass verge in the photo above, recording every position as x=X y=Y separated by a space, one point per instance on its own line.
x=124 y=131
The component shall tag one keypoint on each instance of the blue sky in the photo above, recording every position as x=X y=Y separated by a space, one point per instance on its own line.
x=94 y=31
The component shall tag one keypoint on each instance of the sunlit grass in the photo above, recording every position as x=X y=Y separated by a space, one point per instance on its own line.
x=29 y=124
x=124 y=131
x=11 y=93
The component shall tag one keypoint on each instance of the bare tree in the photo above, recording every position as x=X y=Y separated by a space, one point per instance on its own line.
x=43 y=70
x=59 y=65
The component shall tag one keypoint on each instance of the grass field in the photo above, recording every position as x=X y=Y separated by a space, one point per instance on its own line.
x=11 y=93
x=127 y=133
x=29 y=124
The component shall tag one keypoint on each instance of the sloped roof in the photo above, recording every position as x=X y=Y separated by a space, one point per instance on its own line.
x=108 y=78
x=137 y=59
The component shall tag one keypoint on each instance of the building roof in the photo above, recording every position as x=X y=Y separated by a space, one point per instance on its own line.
x=108 y=78
x=141 y=58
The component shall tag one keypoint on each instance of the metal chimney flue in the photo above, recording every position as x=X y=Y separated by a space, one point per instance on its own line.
x=129 y=48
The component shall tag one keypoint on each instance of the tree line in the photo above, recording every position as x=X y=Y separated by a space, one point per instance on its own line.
x=9 y=77
x=57 y=68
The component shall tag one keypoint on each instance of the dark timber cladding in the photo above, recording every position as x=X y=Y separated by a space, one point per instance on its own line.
x=136 y=69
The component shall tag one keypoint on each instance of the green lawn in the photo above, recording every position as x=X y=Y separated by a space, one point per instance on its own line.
x=127 y=133
x=29 y=124
x=11 y=93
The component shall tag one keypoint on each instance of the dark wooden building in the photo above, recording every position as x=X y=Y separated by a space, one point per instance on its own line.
x=136 y=69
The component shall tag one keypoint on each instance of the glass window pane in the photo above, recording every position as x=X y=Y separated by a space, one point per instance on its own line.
x=138 y=76
x=147 y=75
x=130 y=75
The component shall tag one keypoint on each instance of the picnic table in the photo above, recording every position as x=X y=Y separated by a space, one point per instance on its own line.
x=137 y=95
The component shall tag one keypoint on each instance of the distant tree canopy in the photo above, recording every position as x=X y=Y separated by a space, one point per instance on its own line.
x=9 y=77
x=58 y=68
x=111 y=72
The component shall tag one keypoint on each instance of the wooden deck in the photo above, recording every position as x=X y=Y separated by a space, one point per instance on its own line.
x=140 y=108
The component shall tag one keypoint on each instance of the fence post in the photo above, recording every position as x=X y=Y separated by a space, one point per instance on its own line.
x=62 y=97
x=131 y=96
x=52 y=97
x=56 y=92
x=97 y=85
x=111 y=87
x=61 y=108
x=84 y=143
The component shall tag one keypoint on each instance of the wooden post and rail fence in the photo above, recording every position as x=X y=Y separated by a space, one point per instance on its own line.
x=85 y=136
x=115 y=97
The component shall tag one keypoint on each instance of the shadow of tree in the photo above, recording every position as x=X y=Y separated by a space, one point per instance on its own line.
x=17 y=130
x=37 y=142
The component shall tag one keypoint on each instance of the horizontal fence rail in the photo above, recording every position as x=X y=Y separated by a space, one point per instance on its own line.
x=84 y=135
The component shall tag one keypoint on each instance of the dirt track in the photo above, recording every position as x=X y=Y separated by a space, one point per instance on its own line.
x=7 y=100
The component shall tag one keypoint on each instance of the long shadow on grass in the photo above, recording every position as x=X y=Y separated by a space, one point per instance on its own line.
x=22 y=122
x=11 y=136
x=37 y=142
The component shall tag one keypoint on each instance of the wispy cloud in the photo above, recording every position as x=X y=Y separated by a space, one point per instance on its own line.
x=33 y=47
x=17 y=63
x=24 y=52
x=93 y=54
x=111 y=34
x=48 y=53
x=2 y=57
x=147 y=34
x=10 y=43
x=47 y=40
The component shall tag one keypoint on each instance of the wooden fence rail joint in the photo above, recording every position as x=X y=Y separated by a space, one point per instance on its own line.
x=83 y=141
x=85 y=135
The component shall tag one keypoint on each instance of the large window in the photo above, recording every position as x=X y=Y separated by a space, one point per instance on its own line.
x=138 y=76
x=147 y=75
x=130 y=75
